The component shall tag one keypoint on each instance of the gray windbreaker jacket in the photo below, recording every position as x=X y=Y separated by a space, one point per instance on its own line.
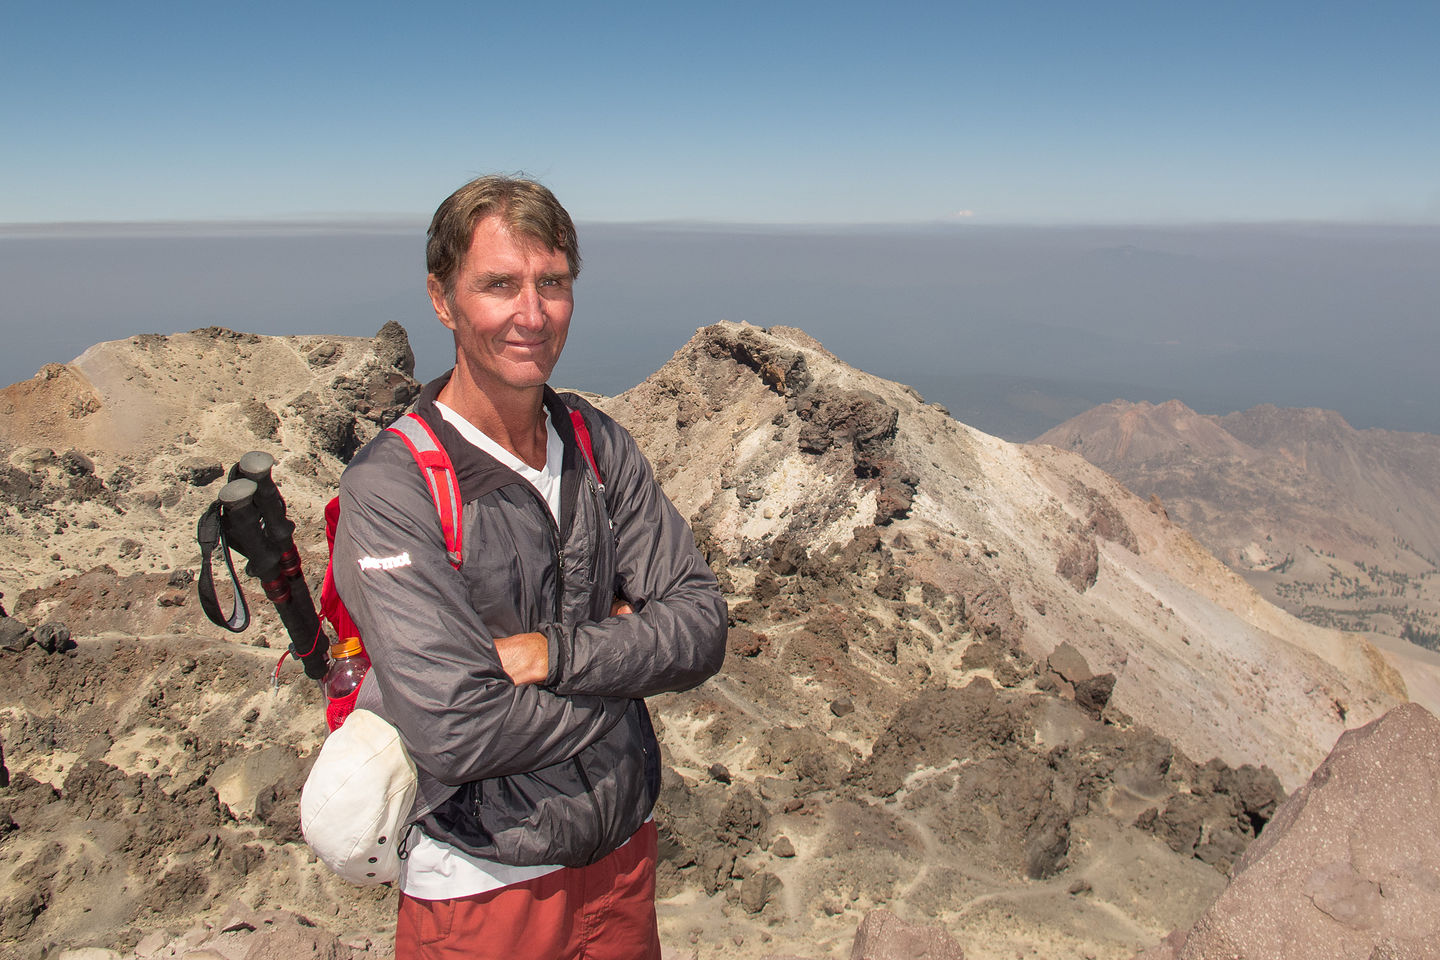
x=561 y=772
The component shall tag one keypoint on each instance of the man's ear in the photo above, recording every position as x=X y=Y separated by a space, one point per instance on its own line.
x=438 y=300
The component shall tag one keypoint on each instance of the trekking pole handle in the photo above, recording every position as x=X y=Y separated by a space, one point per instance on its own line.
x=237 y=493
x=243 y=530
x=256 y=466
x=241 y=520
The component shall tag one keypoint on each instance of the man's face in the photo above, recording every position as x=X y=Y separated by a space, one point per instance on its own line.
x=510 y=309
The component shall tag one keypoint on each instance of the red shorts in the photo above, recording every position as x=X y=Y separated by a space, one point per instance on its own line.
x=605 y=911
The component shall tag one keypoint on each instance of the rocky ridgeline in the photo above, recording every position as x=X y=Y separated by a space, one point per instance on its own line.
x=948 y=719
x=106 y=462
x=1337 y=525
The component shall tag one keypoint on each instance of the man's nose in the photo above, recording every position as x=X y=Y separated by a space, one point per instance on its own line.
x=530 y=308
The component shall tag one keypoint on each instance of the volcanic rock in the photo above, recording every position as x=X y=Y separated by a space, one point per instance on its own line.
x=884 y=936
x=1350 y=865
x=15 y=636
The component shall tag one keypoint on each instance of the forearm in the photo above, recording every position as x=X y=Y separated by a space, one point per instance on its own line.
x=526 y=656
x=675 y=641
x=494 y=728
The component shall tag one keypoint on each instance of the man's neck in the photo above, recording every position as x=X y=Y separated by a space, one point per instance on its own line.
x=515 y=419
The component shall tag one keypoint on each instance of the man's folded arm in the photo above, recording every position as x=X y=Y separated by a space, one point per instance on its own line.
x=675 y=639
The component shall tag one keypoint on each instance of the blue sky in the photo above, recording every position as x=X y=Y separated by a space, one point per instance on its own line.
x=786 y=113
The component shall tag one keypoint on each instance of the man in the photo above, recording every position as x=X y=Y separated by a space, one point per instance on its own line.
x=516 y=679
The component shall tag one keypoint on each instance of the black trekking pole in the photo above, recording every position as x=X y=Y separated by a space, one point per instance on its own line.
x=312 y=647
x=242 y=521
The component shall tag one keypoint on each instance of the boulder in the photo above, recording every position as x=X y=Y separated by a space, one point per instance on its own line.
x=884 y=936
x=1069 y=663
x=54 y=637
x=758 y=890
x=15 y=635
x=1350 y=865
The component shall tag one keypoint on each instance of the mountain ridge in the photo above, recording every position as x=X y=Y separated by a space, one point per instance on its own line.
x=979 y=682
x=1337 y=525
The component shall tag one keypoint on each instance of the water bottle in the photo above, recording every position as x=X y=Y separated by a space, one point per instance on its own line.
x=348 y=666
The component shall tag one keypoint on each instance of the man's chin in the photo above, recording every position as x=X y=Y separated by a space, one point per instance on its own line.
x=517 y=377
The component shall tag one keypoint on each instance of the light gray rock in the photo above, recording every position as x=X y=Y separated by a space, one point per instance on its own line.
x=241 y=780
x=151 y=944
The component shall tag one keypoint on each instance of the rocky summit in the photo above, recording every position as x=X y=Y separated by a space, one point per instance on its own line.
x=979 y=700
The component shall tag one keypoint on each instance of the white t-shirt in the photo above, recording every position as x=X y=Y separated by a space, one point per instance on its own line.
x=435 y=870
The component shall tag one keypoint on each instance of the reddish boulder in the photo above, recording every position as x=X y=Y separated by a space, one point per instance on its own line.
x=884 y=936
x=1350 y=865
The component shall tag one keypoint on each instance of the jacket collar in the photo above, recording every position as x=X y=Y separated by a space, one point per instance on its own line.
x=478 y=473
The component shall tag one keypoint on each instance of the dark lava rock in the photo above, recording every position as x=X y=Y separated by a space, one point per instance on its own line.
x=743 y=820
x=936 y=727
x=19 y=488
x=77 y=464
x=199 y=471
x=14 y=635
x=53 y=637
x=780 y=368
x=261 y=420
x=1094 y=694
x=332 y=428
x=744 y=642
x=833 y=417
x=392 y=347
x=1046 y=843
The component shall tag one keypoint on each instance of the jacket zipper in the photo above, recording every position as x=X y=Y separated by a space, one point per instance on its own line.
x=559 y=619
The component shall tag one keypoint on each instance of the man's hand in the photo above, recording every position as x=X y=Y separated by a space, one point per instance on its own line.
x=526 y=656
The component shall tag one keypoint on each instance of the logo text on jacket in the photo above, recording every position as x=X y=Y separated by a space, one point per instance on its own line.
x=385 y=563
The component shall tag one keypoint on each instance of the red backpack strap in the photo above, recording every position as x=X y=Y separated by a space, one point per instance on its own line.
x=582 y=434
x=439 y=475
x=331 y=605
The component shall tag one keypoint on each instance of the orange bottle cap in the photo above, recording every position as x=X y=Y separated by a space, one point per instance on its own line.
x=346 y=648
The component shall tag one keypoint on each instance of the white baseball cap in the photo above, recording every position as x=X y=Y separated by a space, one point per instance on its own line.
x=354 y=805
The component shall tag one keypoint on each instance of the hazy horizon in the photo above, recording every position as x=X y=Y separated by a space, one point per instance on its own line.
x=1019 y=209
x=1013 y=328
